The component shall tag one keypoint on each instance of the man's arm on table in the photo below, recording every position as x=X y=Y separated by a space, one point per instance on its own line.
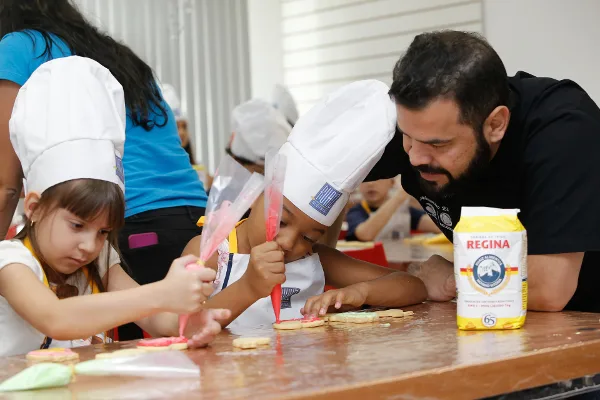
x=552 y=279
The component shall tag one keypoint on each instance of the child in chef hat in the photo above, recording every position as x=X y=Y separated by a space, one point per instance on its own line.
x=330 y=151
x=68 y=130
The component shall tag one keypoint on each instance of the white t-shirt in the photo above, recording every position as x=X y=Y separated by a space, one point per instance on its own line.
x=17 y=336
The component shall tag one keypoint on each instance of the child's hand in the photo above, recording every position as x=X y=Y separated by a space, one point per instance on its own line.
x=354 y=295
x=184 y=290
x=265 y=269
x=204 y=326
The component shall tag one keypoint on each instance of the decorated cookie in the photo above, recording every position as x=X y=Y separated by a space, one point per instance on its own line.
x=162 y=342
x=250 y=342
x=179 y=346
x=288 y=325
x=57 y=354
x=355 y=317
x=311 y=322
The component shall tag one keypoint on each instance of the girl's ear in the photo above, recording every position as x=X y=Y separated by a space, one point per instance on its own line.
x=32 y=200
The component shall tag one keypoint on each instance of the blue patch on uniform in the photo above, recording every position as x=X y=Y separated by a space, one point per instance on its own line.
x=286 y=296
x=324 y=201
x=119 y=168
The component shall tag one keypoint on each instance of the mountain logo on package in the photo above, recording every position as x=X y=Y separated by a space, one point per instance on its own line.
x=286 y=296
x=325 y=199
x=489 y=274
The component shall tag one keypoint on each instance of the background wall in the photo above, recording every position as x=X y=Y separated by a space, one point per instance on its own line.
x=198 y=46
x=327 y=43
x=553 y=38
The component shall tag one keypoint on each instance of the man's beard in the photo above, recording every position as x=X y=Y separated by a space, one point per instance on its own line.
x=474 y=171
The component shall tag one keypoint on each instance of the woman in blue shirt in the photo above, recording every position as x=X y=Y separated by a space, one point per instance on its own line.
x=164 y=197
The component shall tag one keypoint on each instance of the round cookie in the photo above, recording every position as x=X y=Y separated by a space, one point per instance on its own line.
x=393 y=313
x=178 y=346
x=122 y=353
x=312 y=322
x=250 y=342
x=57 y=354
x=288 y=325
x=154 y=349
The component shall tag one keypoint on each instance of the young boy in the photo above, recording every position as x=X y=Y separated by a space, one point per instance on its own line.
x=323 y=168
x=380 y=215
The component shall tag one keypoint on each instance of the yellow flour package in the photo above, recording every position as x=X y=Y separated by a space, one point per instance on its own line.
x=490 y=266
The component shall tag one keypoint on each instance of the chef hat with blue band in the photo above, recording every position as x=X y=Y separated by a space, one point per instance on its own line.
x=335 y=145
x=68 y=122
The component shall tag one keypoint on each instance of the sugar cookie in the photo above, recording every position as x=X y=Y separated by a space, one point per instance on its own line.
x=355 y=317
x=312 y=323
x=251 y=342
x=393 y=313
x=57 y=354
x=288 y=325
x=162 y=342
x=154 y=348
x=178 y=346
x=122 y=353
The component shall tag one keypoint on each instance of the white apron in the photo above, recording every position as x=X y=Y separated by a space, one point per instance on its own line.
x=304 y=279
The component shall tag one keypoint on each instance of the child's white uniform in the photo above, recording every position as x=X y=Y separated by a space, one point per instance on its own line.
x=304 y=279
x=17 y=336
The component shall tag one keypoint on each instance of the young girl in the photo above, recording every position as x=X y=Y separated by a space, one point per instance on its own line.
x=68 y=130
x=164 y=197
x=330 y=151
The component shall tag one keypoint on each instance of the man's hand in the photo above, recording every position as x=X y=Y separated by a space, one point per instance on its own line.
x=437 y=274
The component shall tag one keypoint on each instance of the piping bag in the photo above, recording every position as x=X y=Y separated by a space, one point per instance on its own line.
x=275 y=176
x=233 y=191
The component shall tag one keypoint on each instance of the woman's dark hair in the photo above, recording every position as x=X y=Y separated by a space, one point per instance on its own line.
x=455 y=65
x=63 y=19
x=87 y=199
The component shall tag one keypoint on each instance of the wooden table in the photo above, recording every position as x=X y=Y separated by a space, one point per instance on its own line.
x=423 y=356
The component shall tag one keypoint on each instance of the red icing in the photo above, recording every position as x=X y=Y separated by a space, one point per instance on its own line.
x=162 y=342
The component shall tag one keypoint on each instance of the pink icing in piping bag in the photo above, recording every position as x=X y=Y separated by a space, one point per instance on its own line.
x=275 y=175
x=233 y=191
x=216 y=235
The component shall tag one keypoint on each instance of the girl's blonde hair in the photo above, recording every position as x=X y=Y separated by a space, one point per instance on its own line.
x=87 y=199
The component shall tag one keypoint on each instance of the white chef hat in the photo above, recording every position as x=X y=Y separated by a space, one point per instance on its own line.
x=68 y=122
x=284 y=102
x=257 y=128
x=172 y=99
x=335 y=145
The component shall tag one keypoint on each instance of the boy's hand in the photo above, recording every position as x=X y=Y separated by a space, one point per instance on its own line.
x=265 y=269
x=204 y=326
x=353 y=295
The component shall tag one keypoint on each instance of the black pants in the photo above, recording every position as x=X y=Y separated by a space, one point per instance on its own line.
x=174 y=227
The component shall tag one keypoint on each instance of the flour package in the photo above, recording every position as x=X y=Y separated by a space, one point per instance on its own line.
x=490 y=266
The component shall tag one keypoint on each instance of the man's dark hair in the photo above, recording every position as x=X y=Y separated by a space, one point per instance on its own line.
x=63 y=19
x=460 y=66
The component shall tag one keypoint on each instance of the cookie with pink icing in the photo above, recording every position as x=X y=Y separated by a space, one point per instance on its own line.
x=56 y=354
x=176 y=343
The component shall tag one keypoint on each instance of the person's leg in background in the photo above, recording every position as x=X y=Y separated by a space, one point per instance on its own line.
x=150 y=241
